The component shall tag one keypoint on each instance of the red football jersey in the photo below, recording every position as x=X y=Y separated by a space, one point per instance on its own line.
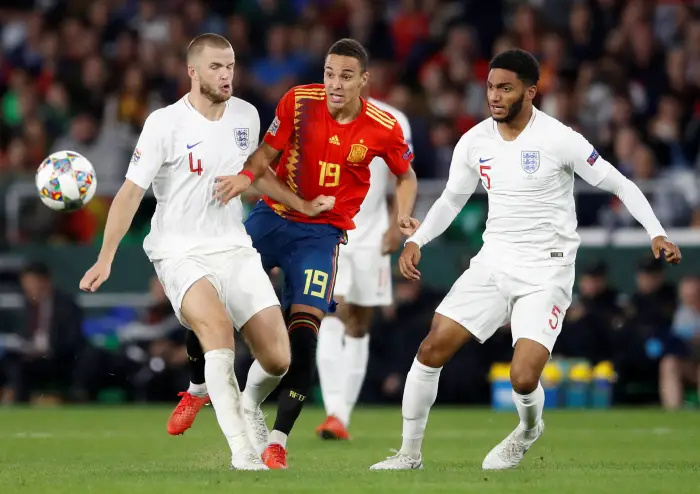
x=323 y=157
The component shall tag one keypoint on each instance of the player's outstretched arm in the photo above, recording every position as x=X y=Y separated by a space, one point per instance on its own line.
x=256 y=166
x=270 y=185
x=599 y=173
x=121 y=213
x=406 y=191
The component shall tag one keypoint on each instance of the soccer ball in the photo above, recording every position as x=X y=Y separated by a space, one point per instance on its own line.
x=66 y=181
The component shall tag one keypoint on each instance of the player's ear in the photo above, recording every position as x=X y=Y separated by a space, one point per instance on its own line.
x=531 y=92
x=364 y=79
x=192 y=72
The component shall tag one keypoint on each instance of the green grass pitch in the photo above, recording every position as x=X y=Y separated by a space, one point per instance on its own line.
x=127 y=450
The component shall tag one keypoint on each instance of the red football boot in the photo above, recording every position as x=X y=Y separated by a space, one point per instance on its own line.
x=333 y=428
x=275 y=457
x=185 y=412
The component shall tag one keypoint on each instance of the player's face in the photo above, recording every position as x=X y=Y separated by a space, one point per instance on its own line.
x=506 y=95
x=214 y=68
x=344 y=80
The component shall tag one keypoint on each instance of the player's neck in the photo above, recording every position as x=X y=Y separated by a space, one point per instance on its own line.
x=209 y=110
x=511 y=130
x=348 y=113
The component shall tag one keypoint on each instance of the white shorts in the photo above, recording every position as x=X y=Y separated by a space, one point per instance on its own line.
x=364 y=277
x=237 y=275
x=534 y=300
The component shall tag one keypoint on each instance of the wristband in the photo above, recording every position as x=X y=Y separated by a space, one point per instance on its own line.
x=248 y=174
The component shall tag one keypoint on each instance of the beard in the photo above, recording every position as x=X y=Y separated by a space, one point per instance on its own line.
x=212 y=93
x=513 y=111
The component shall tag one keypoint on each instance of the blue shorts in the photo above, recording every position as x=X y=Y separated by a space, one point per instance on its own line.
x=307 y=254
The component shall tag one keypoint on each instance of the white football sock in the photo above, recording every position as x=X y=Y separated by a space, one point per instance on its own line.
x=277 y=437
x=355 y=357
x=225 y=395
x=418 y=396
x=199 y=390
x=259 y=385
x=530 y=410
x=329 y=354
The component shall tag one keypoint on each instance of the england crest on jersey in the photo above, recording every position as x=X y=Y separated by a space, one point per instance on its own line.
x=242 y=138
x=530 y=161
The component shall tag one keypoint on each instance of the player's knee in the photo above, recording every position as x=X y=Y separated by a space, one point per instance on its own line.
x=214 y=332
x=358 y=321
x=277 y=363
x=523 y=378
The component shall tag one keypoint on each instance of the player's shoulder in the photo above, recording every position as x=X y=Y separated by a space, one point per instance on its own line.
x=313 y=91
x=482 y=130
x=164 y=119
x=391 y=112
x=548 y=127
x=383 y=121
x=238 y=108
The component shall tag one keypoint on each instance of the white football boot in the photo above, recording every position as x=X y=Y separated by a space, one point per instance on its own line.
x=245 y=457
x=399 y=461
x=509 y=452
x=257 y=429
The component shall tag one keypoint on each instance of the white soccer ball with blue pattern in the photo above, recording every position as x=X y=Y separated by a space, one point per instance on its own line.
x=66 y=181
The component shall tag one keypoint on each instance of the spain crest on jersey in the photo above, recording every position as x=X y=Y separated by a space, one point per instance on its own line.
x=242 y=138
x=357 y=153
x=530 y=161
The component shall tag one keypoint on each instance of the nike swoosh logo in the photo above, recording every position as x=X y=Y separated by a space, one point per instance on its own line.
x=481 y=160
x=193 y=145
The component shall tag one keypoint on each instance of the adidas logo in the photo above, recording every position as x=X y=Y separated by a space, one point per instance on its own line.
x=334 y=140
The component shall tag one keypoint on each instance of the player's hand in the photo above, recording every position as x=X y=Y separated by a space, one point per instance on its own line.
x=408 y=225
x=391 y=240
x=318 y=205
x=95 y=276
x=230 y=186
x=661 y=245
x=408 y=261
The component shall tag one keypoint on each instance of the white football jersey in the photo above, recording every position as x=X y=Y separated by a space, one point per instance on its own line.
x=530 y=183
x=372 y=220
x=181 y=153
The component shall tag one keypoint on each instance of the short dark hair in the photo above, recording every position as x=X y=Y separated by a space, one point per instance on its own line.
x=348 y=47
x=523 y=63
x=36 y=268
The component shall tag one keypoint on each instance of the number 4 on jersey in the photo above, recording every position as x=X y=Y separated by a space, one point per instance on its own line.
x=197 y=170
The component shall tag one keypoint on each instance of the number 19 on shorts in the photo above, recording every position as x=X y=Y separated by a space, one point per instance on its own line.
x=316 y=283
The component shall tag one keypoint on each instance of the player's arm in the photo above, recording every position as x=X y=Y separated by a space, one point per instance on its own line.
x=461 y=184
x=591 y=167
x=145 y=163
x=398 y=157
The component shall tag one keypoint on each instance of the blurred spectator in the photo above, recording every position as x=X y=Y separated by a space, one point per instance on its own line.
x=681 y=364
x=52 y=339
x=150 y=363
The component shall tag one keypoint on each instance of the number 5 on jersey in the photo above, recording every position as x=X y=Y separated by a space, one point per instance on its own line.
x=483 y=171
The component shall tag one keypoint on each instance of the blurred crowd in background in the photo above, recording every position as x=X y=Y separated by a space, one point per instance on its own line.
x=84 y=74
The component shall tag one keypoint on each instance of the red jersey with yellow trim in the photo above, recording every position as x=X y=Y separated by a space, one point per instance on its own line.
x=323 y=157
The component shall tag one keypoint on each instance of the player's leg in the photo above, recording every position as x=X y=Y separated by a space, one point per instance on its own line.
x=536 y=321
x=371 y=289
x=474 y=307
x=671 y=382
x=202 y=310
x=329 y=355
x=196 y=396
x=310 y=268
x=331 y=338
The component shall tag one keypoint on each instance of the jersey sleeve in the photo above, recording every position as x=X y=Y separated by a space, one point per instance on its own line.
x=282 y=126
x=584 y=159
x=255 y=129
x=397 y=153
x=463 y=177
x=150 y=152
